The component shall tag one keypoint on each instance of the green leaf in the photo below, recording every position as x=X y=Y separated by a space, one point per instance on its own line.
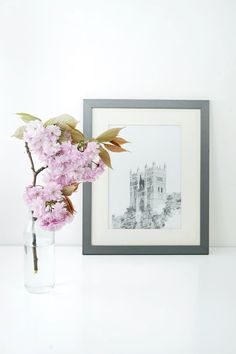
x=62 y=119
x=105 y=157
x=114 y=148
x=19 y=132
x=27 y=117
x=108 y=135
x=68 y=190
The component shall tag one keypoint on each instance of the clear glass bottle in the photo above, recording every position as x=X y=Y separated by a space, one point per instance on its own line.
x=39 y=258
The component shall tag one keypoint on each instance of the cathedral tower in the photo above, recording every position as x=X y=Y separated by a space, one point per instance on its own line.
x=148 y=188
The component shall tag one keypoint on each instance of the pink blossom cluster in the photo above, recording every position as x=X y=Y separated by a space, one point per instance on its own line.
x=42 y=141
x=66 y=163
x=48 y=206
x=70 y=165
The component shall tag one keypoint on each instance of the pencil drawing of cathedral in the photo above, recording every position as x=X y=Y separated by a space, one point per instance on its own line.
x=150 y=206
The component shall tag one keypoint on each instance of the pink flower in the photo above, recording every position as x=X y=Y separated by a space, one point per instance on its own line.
x=34 y=198
x=52 y=191
x=53 y=132
x=38 y=207
x=33 y=130
x=56 y=217
x=42 y=141
x=90 y=174
x=91 y=151
x=32 y=193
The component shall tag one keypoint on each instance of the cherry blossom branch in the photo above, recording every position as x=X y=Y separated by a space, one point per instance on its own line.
x=34 y=244
x=35 y=174
x=95 y=163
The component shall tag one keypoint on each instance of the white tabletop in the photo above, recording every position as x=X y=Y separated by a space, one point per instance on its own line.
x=121 y=305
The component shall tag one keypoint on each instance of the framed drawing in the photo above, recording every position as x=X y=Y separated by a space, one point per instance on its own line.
x=155 y=200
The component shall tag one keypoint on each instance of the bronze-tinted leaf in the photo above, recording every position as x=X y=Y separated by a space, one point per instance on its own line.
x=120 y=141
x=68 y=190
x=26 y=117
x=69 y=205
x=114 y=148
x=108 y=135
x=63 y=118
x=77 y=135
x=114 y=143
x=19 y=133
x=105 y=157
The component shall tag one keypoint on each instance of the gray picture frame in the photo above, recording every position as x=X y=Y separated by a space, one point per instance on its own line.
x=203 y=248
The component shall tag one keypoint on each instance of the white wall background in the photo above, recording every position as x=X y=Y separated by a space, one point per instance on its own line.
x=54 y=53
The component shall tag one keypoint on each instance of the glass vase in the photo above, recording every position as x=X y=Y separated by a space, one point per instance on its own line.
x=39 y=258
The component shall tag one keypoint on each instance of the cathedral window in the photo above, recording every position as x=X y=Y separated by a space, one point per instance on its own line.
x=160 y=179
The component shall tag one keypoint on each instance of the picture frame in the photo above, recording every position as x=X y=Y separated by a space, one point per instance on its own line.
x=179 y=222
